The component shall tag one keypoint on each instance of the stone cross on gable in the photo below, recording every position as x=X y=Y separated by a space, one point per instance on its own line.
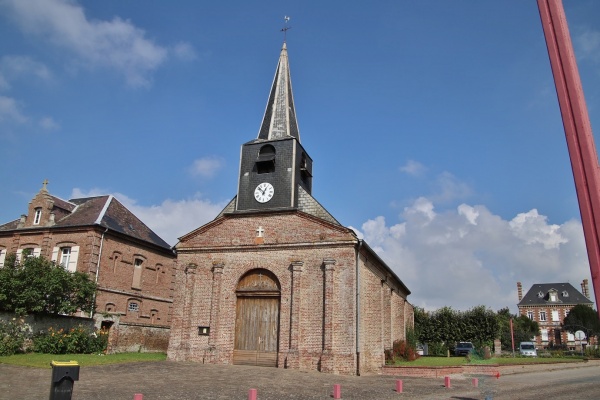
x=260 y=231
x=44 y=184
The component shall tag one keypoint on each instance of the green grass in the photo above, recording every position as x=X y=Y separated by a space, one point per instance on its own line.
x=457 y=361
x=38 y=360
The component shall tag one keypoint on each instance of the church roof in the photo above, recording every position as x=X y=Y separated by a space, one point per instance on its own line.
x=306 y=204
x=279 y=120
x=566 y=294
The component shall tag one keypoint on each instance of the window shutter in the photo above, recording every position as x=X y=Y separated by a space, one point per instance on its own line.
x=37 y=252
x=55 y=254
x=19 y=254
x=72 y=267
x=2 y=257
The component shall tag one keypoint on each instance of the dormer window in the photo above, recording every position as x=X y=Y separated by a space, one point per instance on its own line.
x=553 y=295
x=540 y=295
x=37 y=216
x=265 y=163
x=565 y=293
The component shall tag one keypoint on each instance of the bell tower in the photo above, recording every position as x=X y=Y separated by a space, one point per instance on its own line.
x=274 y=167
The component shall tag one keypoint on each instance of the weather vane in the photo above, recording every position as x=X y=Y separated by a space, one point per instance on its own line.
x=285 y=27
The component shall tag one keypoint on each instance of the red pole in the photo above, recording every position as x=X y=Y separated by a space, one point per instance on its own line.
x=578 y=130
x=512 y=337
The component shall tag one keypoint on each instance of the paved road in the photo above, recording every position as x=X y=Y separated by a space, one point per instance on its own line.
x=179 y=381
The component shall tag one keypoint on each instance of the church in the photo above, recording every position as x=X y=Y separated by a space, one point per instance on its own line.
x=275 y=280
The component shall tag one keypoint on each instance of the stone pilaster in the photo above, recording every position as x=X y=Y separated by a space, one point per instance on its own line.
x=327 y=358
x=217 y=271
x=293 y=360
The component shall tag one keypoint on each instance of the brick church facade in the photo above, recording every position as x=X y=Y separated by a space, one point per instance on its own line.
x=133 y=267
x=275 y=279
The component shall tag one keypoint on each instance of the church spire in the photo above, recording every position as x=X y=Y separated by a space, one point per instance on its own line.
x=279 y=120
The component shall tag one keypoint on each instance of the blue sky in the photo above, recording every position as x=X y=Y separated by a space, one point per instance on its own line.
x=434 y=125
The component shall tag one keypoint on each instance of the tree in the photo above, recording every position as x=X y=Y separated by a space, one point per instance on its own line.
x=36 y=285
x=448 y=326
x=523 y=328
x=582 y=318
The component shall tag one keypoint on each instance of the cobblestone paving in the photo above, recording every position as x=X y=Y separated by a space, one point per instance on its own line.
x=180 y=380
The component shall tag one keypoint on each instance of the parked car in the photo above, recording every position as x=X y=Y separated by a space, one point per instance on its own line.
x=463 y=348
x=527 y=349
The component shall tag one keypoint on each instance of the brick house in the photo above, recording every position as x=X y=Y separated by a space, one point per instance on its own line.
x=133 y=267
x=549 y=304
x=275 y=279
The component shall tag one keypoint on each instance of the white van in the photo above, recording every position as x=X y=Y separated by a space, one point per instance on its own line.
x=527 y=349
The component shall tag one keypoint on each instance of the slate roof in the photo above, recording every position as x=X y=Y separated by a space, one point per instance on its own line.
x=105 y=211
x=538 y=295
x=306 y=203
x=280 y=115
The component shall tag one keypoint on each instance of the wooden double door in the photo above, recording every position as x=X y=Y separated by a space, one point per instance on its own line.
x=257 y=320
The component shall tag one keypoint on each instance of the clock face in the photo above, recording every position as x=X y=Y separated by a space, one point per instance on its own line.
x=264 y=192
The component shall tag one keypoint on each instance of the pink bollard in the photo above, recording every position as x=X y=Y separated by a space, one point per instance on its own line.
x=138 y=396
x=475 y=382
x=447 y=381
x=399 y=386
x=337 y=391
x=252 y=393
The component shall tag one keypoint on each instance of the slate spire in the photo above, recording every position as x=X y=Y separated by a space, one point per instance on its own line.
x=279 y=120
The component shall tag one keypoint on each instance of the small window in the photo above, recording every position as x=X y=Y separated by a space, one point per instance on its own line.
x=530 y=315
x=555 y=316
x=137 y=274
x=542 y=316
x=540 y=294
x=65 y=256
x=565 y=293
x=133 y=306
x=38 y=216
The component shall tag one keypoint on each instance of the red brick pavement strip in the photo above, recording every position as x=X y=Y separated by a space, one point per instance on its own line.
x=167 y=380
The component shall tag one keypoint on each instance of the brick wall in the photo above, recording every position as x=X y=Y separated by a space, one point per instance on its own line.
x=319 y=258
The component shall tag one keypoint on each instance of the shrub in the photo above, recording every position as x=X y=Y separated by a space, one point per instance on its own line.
x=437 y=349
x=402 y=350
x=74 y=341
x=13 y=335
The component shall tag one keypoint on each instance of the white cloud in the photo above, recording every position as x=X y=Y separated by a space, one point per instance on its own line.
x=469 y=256
x=13 y=67
x=10 y=111
x=48 y=124
x=185 y=51
x=413 y=168
x=587 y=43
x=171 y=219
x=206 y=167
x=449 y=188
x=116 y=44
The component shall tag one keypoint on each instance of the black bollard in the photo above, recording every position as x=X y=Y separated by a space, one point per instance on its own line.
x=64 y=374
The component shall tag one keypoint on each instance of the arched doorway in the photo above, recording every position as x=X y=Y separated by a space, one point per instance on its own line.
x=257 y=319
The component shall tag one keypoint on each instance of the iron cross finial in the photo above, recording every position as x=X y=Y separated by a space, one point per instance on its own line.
x=285 y=27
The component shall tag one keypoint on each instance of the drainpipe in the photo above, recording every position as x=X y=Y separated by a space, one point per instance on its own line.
x=98 y=271
x=360 y=242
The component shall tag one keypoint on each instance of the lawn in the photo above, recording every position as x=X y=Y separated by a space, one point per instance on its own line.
x=85 y=360
x=456 y=361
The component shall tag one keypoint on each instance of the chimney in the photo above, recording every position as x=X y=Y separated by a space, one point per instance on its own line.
x=520 y=290
x=585 y=288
